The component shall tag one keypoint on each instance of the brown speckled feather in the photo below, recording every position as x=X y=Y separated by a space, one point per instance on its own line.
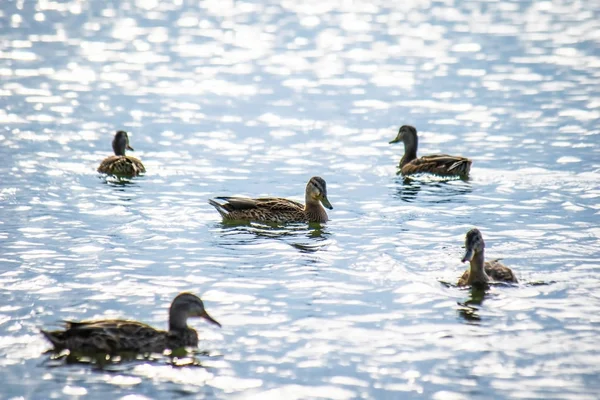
x=113 y=336
x=272 y=209
x=499 y=272
x=438 y=164
x=121 y=165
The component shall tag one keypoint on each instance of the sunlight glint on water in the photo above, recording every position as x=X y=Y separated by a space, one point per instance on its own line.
x=254 y=98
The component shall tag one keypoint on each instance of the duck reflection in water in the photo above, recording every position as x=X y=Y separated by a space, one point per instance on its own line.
x=121 y=191
x=243 y=232
x=118 y=182
x=317 y=235
x=468 y=309
x=113 y=362
x=407 y=189
x=431 y=191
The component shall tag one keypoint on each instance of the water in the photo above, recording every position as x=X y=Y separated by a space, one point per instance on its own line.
x=254 y=98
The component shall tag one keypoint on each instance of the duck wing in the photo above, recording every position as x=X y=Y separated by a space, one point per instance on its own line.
x=261 y=209
x=439 y=164
x=499 y=272
x=232 y=204
x=271 y=203
x=108 y=336
x=121 y=165
x=462 y=281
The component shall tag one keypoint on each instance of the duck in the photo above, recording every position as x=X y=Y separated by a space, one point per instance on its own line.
x=481 y=272
x=438 y=164
x=115 y=336
x=275 y=209
x=121 y=164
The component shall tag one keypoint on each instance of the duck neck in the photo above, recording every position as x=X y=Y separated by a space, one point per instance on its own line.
x=177 y=320
x=410 y=149
x=314 y=211
x=477 y=273
x=119 y=151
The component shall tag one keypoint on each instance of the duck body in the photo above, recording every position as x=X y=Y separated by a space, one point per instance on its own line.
x=116 y=336
x=480 y=272
x=495 y=271
x=268 y=209
x=443 y=165
x=121 y=164
x=438 y=164
x=276 y=209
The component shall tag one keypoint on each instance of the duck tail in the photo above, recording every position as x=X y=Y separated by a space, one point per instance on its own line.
x=219 y=207
x=53 y=337
x=461 y=167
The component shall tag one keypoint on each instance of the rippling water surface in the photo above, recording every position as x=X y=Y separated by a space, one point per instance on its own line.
x=255 y=97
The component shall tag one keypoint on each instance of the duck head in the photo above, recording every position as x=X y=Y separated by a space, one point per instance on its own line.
x=184 y=306
x=405 y=133
x=121 y=143
x=316 y=191
x=473 y=244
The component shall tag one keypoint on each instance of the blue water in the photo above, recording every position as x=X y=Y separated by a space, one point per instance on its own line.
x=254 y=98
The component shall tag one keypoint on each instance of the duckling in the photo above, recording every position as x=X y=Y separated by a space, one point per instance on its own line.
x=114 y=336
x=480 y=273
x=120 y=164
x=275 y=209
x=438 y=164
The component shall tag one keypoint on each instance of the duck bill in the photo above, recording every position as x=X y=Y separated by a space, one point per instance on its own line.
x=210 y=319
x=468 y=255
x=394 y=141
x=129 y=147
x=326 y=203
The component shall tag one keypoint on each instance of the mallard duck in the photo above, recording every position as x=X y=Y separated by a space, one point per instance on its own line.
x=438 y=164
x=479 y=272
x=120 y=164
x=114 y=336
x=274 y=209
